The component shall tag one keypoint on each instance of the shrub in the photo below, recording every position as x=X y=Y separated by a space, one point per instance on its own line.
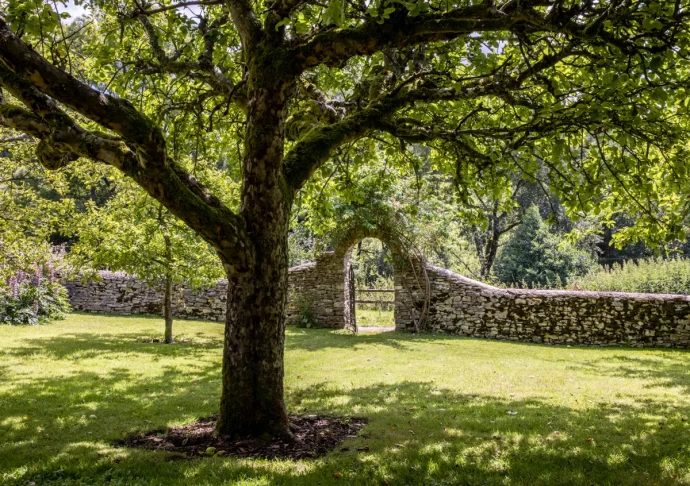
x=655 y=276
x=535 y=257
x=305 y=311
x=32 y=297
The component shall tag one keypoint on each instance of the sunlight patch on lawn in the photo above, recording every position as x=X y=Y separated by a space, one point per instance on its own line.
x=437 y=407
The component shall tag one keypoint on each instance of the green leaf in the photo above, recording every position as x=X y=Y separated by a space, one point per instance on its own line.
x=335 y=13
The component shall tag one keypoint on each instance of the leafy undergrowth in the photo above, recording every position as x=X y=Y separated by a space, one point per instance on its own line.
x=441 y=410
x=653 y=275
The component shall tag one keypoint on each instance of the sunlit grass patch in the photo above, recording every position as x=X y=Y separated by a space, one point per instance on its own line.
x=442 y=410
x=374 y=317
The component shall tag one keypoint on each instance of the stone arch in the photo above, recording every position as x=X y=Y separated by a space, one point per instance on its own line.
x=324 y=283
x=402 y=277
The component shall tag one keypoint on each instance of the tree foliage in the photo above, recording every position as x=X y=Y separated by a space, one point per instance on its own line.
x=133 y=233
x=31 y=208
x=536 y=256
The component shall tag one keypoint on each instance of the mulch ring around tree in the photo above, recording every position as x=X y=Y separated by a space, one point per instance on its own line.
x=316 y=436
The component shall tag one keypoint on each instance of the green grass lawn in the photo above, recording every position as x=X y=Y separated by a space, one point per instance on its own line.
x=438 y=408
x=374 y=317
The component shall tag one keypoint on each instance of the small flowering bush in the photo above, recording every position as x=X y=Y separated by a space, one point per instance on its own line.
x=32 y=297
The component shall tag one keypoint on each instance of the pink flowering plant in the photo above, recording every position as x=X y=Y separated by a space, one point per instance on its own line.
x=32 y=297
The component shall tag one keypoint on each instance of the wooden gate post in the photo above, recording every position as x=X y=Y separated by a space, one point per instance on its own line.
x=352 y=297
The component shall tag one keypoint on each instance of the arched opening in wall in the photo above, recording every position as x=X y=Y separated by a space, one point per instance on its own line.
x=370 y=284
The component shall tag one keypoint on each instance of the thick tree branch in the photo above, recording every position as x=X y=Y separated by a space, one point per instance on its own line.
x=141 y=156
x=247 y=24
x=335 y=46
x=108 y=111
x=174 y=6
x=21 y=120
x=319 y=143
x=581 y=21
x=17 y=138
x=62 y=141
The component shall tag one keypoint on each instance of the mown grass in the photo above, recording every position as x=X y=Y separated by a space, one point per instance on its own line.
x=438 y=408
x=374 y=317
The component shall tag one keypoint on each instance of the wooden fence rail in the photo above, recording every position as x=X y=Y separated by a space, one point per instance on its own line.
x=379 y=301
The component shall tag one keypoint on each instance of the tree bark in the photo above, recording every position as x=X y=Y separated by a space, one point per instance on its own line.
x=487 y=253
x=167 y=309
x=252 y=396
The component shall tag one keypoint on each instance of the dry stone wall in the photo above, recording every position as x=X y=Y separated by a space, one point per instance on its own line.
x=121 y=294
x=457 y=305
x=319 y=286
x=462 y=306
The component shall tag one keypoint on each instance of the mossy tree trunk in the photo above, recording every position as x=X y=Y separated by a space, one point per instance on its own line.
x=252 y=395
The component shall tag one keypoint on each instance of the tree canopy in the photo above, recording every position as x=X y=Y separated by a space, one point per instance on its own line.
x=492 y=86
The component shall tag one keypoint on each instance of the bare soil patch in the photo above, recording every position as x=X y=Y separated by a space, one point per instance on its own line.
x=315 y=436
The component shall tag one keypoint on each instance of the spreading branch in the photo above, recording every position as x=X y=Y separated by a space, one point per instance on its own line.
x=148 y=12
x=333 y=47
x=319 y=144
x=583 y=22
x=137 y=148
x=247 y=24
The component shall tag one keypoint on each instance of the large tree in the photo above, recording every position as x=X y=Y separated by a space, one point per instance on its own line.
x=481 y=79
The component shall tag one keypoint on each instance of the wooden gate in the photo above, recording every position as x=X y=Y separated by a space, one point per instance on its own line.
x=351 y=297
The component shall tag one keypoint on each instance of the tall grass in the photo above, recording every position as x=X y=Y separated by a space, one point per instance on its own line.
x=654 y=275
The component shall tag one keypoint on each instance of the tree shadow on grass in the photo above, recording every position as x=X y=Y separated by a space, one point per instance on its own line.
x=61 y=429
x=319 y=339
x=45 y=419
x=669 y=370
x=58 y=430
x=424 y=435
x=85 y=345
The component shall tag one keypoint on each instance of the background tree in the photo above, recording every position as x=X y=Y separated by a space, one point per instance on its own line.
x=372 y=264
x=487 y=219
x=133 y=233
x=29 y=212
x=537 y=257
x=484 y=80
